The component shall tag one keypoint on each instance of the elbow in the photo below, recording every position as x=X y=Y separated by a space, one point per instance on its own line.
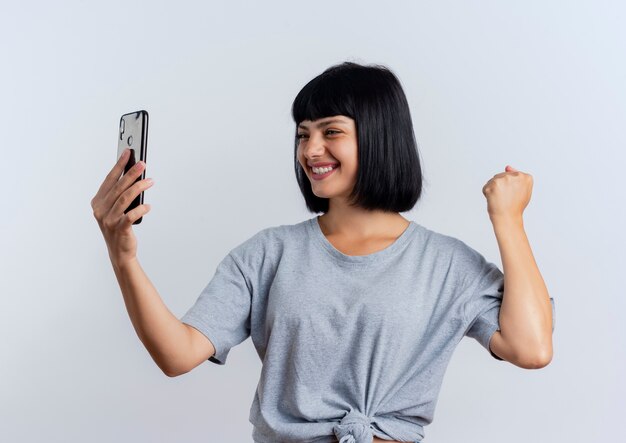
x=537 y=360
x=170 y=372
x=532 y=356
x=174 y=372
x=543 y=360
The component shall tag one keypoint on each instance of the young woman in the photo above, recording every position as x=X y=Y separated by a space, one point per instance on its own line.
x=354 y=313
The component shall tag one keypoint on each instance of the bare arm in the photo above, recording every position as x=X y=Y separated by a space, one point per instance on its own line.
x=526 y=323
x=525 y=336
x=174 y=346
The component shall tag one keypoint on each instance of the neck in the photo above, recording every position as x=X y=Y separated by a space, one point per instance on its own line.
x=351 y=222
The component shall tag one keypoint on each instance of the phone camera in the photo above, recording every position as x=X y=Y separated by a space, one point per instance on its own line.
x=130 y=140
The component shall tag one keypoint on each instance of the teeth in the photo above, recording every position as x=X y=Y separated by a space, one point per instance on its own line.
x=322 y=170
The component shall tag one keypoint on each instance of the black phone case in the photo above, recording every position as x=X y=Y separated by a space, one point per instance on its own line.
x=133 y=134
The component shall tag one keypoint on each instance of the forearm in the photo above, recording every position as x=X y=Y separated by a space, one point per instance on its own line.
x=526 y=311
x=163 y=335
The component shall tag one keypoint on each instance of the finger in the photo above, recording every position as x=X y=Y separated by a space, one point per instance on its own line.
x=131 y=216
x=114 y=174
x=130 y=178
x=127 y=197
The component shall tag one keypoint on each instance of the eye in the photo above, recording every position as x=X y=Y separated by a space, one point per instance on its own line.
x=299 y=136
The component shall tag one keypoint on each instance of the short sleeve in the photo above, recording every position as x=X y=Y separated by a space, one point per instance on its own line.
x=486 y=292
x=222 y=310
x=483 y=306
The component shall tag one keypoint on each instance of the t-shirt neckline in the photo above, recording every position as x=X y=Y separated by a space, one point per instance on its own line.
x=316 y=230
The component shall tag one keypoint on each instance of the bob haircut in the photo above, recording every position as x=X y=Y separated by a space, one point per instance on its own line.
x=389 y=173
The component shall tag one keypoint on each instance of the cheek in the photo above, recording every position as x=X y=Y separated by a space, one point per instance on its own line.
x=300 y=158
x=347 y=155
x=348 y=166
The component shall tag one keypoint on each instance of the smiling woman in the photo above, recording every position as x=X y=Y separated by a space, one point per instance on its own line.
x=327 y=152
x=354 y=313
x=363 y=124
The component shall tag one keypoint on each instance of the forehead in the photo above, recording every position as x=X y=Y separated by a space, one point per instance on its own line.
x=325 y=121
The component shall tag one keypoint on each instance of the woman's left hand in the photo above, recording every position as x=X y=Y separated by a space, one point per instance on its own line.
x=508 y=193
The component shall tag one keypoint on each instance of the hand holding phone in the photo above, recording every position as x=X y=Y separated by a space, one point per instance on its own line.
x=112 y=206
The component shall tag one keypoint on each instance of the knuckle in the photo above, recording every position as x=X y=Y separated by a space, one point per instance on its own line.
x=125 y=199
x=135 y=189
x=143 y=184
x=107 y=223
x=129 y=195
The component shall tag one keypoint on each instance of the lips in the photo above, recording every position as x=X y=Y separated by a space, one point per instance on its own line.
x=321 y=164
x=324 y=175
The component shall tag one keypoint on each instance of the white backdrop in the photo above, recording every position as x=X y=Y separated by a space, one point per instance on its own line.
x=537 y=85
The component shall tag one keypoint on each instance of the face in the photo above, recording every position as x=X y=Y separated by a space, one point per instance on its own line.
x=329 y=140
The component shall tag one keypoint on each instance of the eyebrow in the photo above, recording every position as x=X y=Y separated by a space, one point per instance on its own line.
x=325 y=123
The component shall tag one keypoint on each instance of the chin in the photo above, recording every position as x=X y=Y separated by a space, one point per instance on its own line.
x=322 y=195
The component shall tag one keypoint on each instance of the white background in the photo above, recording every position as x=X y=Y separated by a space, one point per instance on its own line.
x=537 y=85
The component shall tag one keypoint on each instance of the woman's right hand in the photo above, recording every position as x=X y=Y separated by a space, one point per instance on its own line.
x=110 y=202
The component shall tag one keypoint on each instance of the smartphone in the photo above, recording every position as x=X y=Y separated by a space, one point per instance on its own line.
x=133 y=134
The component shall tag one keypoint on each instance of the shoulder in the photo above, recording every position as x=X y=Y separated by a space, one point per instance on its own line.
x=460 y=250
x=463 y=261
x=438 y=242
x=266 y=245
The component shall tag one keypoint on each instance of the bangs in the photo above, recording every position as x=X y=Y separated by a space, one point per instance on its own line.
x=324 y=96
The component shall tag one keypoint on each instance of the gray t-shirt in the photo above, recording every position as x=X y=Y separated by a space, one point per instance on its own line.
x=351 y=346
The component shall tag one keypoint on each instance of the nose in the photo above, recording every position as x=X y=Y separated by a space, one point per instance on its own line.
x=313 y=147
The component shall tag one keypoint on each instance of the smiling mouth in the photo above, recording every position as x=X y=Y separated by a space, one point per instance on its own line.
x=323 y=175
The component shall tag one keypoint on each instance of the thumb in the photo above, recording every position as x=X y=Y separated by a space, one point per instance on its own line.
x=510 y=169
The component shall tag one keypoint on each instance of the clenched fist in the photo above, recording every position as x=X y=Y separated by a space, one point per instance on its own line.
x=508 y=193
